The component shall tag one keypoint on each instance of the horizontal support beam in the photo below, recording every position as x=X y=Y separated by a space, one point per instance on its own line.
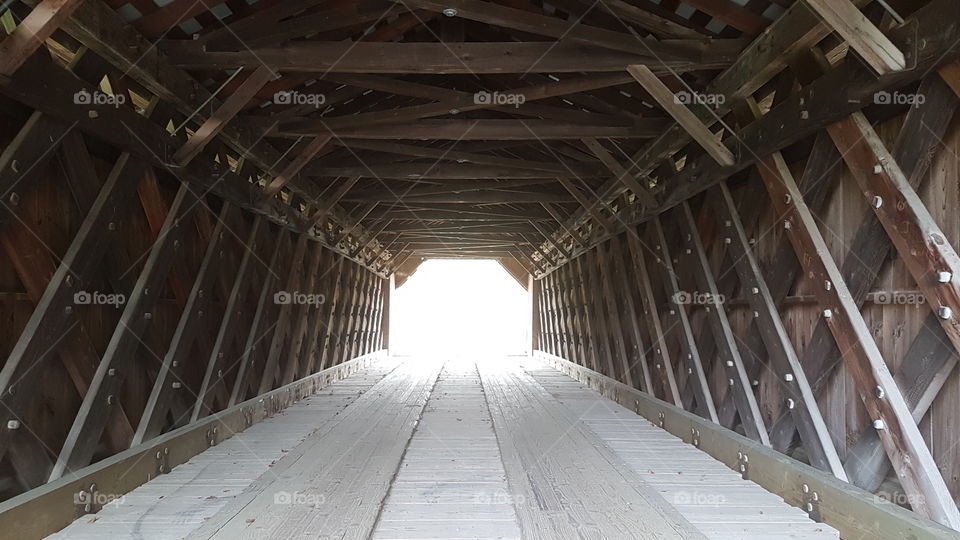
x=428 y=171
x=464 y=58
x=481 y=130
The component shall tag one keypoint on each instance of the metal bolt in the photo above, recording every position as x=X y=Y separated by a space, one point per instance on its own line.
x=754 y=383
x=727 y=240
x=176 y=385
x=729 y=363
x=13 y=424
x=944 y=277
x=755 y=290
x=786 y=224
x=147 y=316
x=880 y=392
x=877 y=169
x=112 y=226
x=111 y=372
x=790 y=403
x=804 y=115
x=805 y=488
x=788 y=377
x=730 y=381
x=877 y=201
x=788 y=199
x=110 y=400
x=450 y=12
x=878 y=424
x=827 y=285
x=944 y=312
x=827 y=314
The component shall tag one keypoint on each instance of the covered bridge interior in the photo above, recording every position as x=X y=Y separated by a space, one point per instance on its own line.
x=735 y=221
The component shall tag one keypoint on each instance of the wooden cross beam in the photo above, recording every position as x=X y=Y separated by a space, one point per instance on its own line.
x=312 y=148
x=620 y=173
x=861 y=34
x=483 y=130
x=450 y=58
x=684 y=117
x=230 y=107
x=32 y=32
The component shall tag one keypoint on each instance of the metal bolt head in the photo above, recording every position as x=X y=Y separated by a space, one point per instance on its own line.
x=176 y=385
x=13 y=424
x=791 y=403
x=450 y=12
x=944 y=277
x=729 y=363
x=877 y=201
x=827 y=285
x=827 y=313
x=879 y=392
x=787 y=224
x=788 y=377
x=944 y=312
x=878 y=424
x=877 y=169
x=755 y=290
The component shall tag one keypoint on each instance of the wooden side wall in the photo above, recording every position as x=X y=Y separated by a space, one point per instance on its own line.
x=623 y=307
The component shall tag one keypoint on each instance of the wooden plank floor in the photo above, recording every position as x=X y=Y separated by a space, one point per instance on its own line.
x=457 y=449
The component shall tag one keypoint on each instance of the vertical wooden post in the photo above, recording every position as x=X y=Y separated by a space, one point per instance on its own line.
x=533 y=291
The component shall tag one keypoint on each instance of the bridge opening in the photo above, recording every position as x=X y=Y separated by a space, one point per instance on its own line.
x=465 y=308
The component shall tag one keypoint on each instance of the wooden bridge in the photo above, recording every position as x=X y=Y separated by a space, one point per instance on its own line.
x=734 y=220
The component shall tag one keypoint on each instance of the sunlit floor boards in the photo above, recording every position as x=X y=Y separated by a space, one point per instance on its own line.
x=452 y=449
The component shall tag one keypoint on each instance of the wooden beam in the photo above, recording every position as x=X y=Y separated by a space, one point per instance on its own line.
x=663 y=364
x=452 y=154
x=170 y=376
x=32 y=32
x=696 y=371
x=482 y=130
x=861 y=34
x=212 y=126
x=329 y=201
x=590 y=206
x=620 y=173
x=442 y=171
x=447 y=58
x=684 y=117
x=544 y=25
x=790 y=374
x=728 y=351
x=306 y=154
